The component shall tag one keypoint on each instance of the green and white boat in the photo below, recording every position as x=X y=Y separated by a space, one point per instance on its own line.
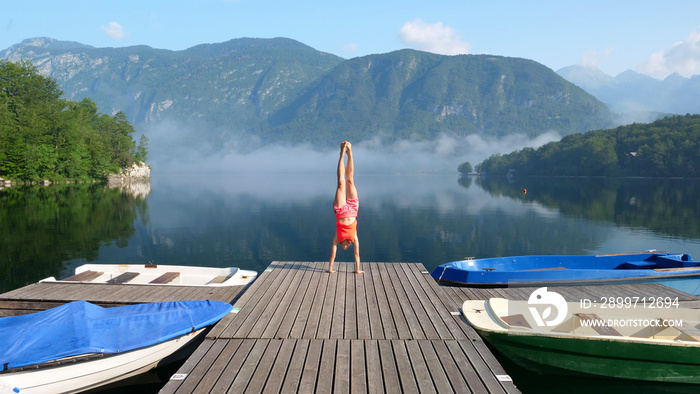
x=650 y=340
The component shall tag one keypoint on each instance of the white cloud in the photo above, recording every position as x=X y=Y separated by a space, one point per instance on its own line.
x=435 y=38
x=113 y=30
x=349 y=48
x=593 y=58
x=683 y=58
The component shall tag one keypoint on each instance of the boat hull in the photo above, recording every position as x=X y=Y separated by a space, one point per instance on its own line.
x=675 y=270
x=159 y=275
x=599 y=357
x=82 y=376
x=644 y=341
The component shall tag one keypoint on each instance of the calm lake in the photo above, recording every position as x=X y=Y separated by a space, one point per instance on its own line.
x=248 y=221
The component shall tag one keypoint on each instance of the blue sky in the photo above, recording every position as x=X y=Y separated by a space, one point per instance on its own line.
x=652 y=37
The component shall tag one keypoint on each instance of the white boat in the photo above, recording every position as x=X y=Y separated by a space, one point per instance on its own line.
x=76 y=374
x=152 y=274
x=635 y=338
x=80 y=346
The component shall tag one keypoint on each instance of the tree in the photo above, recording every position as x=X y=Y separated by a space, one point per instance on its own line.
x=43 y=136
x=141 y=152
x=465 y=168
x=667 y=147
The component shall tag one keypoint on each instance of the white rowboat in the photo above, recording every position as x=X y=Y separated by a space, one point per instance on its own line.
x=151 y=274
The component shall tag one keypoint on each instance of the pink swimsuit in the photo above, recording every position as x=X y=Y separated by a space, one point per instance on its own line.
x=349 y=210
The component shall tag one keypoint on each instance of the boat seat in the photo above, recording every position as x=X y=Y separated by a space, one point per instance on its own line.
x=598 y=327
x=84 y=276
x=220 y=279
x=123 y=278
x=687 y=329
x=631 y=265
x=165 y=278
x=516 y=321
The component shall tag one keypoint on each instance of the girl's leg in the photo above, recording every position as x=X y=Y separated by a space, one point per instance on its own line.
x=339 y=200
x=350 y=175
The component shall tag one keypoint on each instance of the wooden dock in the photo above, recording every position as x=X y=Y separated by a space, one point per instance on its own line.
x=299 y=329
x=44 y=295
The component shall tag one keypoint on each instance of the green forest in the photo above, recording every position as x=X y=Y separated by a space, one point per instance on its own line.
x=43 y=136
x=669 y=147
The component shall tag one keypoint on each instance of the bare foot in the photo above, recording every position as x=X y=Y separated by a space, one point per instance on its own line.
x=359 y=272
x=330 y=272
x=348 y=146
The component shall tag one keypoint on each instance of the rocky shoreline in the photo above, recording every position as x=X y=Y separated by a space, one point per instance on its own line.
x=137 y=173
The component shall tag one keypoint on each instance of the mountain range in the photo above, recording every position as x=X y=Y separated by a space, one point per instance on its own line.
x=633 y=93
x=268 y=90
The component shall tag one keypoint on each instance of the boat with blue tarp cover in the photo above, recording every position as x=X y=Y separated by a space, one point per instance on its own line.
x=677 y=270
x=79 y=346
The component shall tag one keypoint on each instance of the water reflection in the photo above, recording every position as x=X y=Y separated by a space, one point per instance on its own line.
x=42 y=227
x=250 y=221
x=667 y=206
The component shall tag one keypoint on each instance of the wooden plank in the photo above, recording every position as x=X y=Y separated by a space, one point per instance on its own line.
x=459 y=328
x=451 y=369
x=123 y=278
x=396 y=315
x=84 y=276
x=341 y=381
x=298 y=324
x=307 y=383
x=440 y=315
x=112 y=292
x=159 y=293
x=465 y=367
x=233 y=366
x=198 y=358
x=403 y=367
x=293 y=312
x=350 y=320
x=375 y=380
x=40 y=292
x=326 y=370
x=250 y=304
x=262 y=371
x=213 y=365
x=310 y=329
x=438 y=376
x=247 y=369
x=325 y=320
x=292 y=375
x=420 y=368
x=130 y=294
x=407 y=306
x=489 y=368
x=337 y=329
x=358 y=373
x=373 y=318
x=390 y=373
x=362 y=317
x=272 y=316
x=220 y=279
x=281 y=365
x=419 y=302
x=165 y=278
x=388 y=323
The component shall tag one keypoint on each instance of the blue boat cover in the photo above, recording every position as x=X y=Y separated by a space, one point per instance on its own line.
x=81 y=328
